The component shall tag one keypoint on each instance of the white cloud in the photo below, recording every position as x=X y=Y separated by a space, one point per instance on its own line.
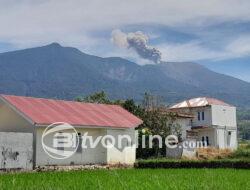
x=240 y=47
x=195 y=51
x=192 y=51
x=27 y=22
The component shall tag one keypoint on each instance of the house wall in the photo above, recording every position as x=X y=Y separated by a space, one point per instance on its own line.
x=224 y=140
x=208 y=116
x=210 y=132
x=217 y=115
x=222 y=119
x=224 y=116
x=98 y=155
x=16 y=150
x=10 y=121
x=126 y=154
x=87 y=156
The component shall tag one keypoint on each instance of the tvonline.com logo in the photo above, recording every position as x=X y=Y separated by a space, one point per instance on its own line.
x=61 y=140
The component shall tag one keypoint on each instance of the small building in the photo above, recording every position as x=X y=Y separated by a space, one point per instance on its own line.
x=32 y=115
x=213 y=122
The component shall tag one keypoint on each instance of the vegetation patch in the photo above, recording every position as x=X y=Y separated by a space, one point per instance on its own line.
x=165 y=163
x=174 y=179
x=243 y=152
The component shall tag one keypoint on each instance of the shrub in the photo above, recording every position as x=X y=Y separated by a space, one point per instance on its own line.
x=239 y=164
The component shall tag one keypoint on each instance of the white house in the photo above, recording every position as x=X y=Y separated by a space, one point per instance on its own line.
x=213 y=122
x=33 y=115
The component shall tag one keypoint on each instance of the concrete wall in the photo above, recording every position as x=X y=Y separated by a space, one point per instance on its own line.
x=226 y=138
x=224 y=116
x=10 y=121
x=98 y=155
x=208 y=116
x=126 y=154
x=216 y=115
x=86 y=156
x=16 y=151
x=210 y=132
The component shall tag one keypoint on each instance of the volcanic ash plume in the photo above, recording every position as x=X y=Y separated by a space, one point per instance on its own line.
x=137 y=41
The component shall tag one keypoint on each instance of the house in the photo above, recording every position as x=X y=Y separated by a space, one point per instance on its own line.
x=213 y=122
x=32 y=115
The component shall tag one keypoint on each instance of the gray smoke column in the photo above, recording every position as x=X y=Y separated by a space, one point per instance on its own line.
x=138 y=41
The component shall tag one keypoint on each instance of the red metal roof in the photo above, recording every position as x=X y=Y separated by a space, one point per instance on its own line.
x=47 y=111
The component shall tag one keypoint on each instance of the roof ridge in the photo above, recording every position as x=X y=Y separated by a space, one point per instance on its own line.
x=200 y=102
x=88 y=114
x=30 y=97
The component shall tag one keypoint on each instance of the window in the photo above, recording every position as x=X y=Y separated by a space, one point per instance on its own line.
x=205 y=140
x=229 y=138
x=60 y=145
x=203 y=115
x=79 y=148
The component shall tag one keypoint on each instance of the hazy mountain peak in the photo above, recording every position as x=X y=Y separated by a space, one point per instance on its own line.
x=55 y=71
x=54 y=44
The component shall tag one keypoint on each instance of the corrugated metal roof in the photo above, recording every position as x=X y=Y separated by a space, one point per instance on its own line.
x=199 y=102
x=47 y=111
x=177 y=112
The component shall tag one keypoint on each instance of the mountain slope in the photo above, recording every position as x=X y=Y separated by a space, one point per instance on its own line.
x=61 y=72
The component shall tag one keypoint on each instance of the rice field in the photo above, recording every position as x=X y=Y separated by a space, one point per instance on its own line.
x=129 y=179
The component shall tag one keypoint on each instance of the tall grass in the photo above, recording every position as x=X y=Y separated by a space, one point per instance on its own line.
x=133 y=179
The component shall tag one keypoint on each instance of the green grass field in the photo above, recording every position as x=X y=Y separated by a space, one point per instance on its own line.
x=130 y=179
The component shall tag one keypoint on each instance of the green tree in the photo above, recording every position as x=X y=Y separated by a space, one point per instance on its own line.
x=156 y=120
x=98 y=97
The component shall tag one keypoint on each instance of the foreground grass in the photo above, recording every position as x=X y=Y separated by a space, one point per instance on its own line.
x=130 y=179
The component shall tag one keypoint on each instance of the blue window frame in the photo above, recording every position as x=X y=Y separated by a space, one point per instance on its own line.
x=199 y=116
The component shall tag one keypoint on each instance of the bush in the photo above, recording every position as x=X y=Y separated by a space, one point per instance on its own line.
x=242 y=152
x=239 y=164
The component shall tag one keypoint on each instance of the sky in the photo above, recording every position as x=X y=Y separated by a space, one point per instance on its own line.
x=215 y=33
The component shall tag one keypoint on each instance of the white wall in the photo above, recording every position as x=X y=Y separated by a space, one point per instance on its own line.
x=16 y=150
x=217 y=115
x=87 y=156
x=208 y=116
x=233 y=140
x=125 y=155
x=224 y=140
x=98 y=155
x=224 y=116
x=210 y=133
x=220 y=138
